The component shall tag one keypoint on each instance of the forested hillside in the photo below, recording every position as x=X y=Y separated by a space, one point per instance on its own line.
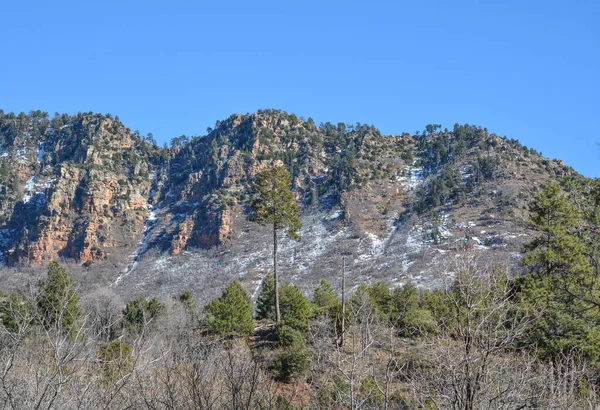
x=489 y=338
x=86 y=190
x=438 y=269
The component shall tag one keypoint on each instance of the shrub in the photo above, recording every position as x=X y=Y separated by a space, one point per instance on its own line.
x=289 y=363
x=139 y=312
x=116 y=359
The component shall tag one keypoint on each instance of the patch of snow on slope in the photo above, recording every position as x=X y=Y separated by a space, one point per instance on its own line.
x=335 y=215
x=36 y=190
x=465 y=225
x=376 y=244
x=414 y=238
x=379 y=245
x=316 y=240
x=479 y=244
x=29 y=189
x=443 y=228
x=415 y=178
x=258 y=284
x=40 y=154
x=414 y=244
x=21 y=156
x=150 y=223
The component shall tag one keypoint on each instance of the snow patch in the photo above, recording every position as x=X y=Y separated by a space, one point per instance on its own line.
x=36 y=190
x=464 y=225
x=335 y=215
x=151 y=222
x=415 y=178
x=377 y=244
x=40 y=154
x=29 y=189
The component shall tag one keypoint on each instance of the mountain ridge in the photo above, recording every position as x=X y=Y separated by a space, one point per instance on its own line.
x=86 y=189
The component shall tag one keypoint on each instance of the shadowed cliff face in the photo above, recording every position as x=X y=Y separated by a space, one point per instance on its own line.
x=84 y=188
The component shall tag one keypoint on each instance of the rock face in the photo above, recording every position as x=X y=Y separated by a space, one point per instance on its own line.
x=79 y=187
x=208 y=182
x=85 y=188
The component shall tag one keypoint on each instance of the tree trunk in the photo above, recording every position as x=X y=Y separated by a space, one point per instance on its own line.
x=275 y=280
x=343 y=301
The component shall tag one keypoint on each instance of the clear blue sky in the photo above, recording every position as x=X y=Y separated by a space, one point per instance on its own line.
x=527 y=69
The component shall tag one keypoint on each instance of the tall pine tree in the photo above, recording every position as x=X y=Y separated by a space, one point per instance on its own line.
x=274 y=205
x=561 y=285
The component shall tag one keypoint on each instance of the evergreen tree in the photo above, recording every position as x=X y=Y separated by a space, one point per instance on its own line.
x=558 y=251
x=404 y=301
x=116 y=359
x=295 y=309
x=292 y=357
x=58 y=304
x=154 y=307
x=265 y=304
x=274 y=205
x=189 y=302
x=561 y=283
x=231 y=314
x=361 y=302
x=436 y=302
x=381 y=298
x=324 y=299
x=17 y=312
x=139 y=312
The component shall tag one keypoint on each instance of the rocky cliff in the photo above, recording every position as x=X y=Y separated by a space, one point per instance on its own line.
x=85 y=188
x=72 y=187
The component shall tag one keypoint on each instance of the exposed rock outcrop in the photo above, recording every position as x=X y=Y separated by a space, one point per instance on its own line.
x=85 y=188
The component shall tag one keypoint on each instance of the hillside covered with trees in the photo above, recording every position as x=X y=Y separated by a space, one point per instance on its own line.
x=491 y=337
x=274 y=263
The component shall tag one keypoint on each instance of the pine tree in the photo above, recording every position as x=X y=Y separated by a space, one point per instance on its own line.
x=408 y=315
x=274 y=205
x=561 y=283
x=558 y=251
x=231 y=314
x=116 y=359
x=381 y=298
x=17 y=311
x=326 y=303
x=404 y=300
x=295 y=309
x=189 y=303
x=139 y=312
x=58 y=302
x=265 y=304
x=324 y=298
x=292 y=357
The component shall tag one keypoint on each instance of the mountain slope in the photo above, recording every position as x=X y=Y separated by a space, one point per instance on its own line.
x=89 y=190
x=72 y=187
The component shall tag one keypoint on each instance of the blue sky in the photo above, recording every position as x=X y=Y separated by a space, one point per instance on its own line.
x=525 y=69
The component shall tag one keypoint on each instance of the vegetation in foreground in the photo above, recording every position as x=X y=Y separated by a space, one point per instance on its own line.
x=489 y=339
